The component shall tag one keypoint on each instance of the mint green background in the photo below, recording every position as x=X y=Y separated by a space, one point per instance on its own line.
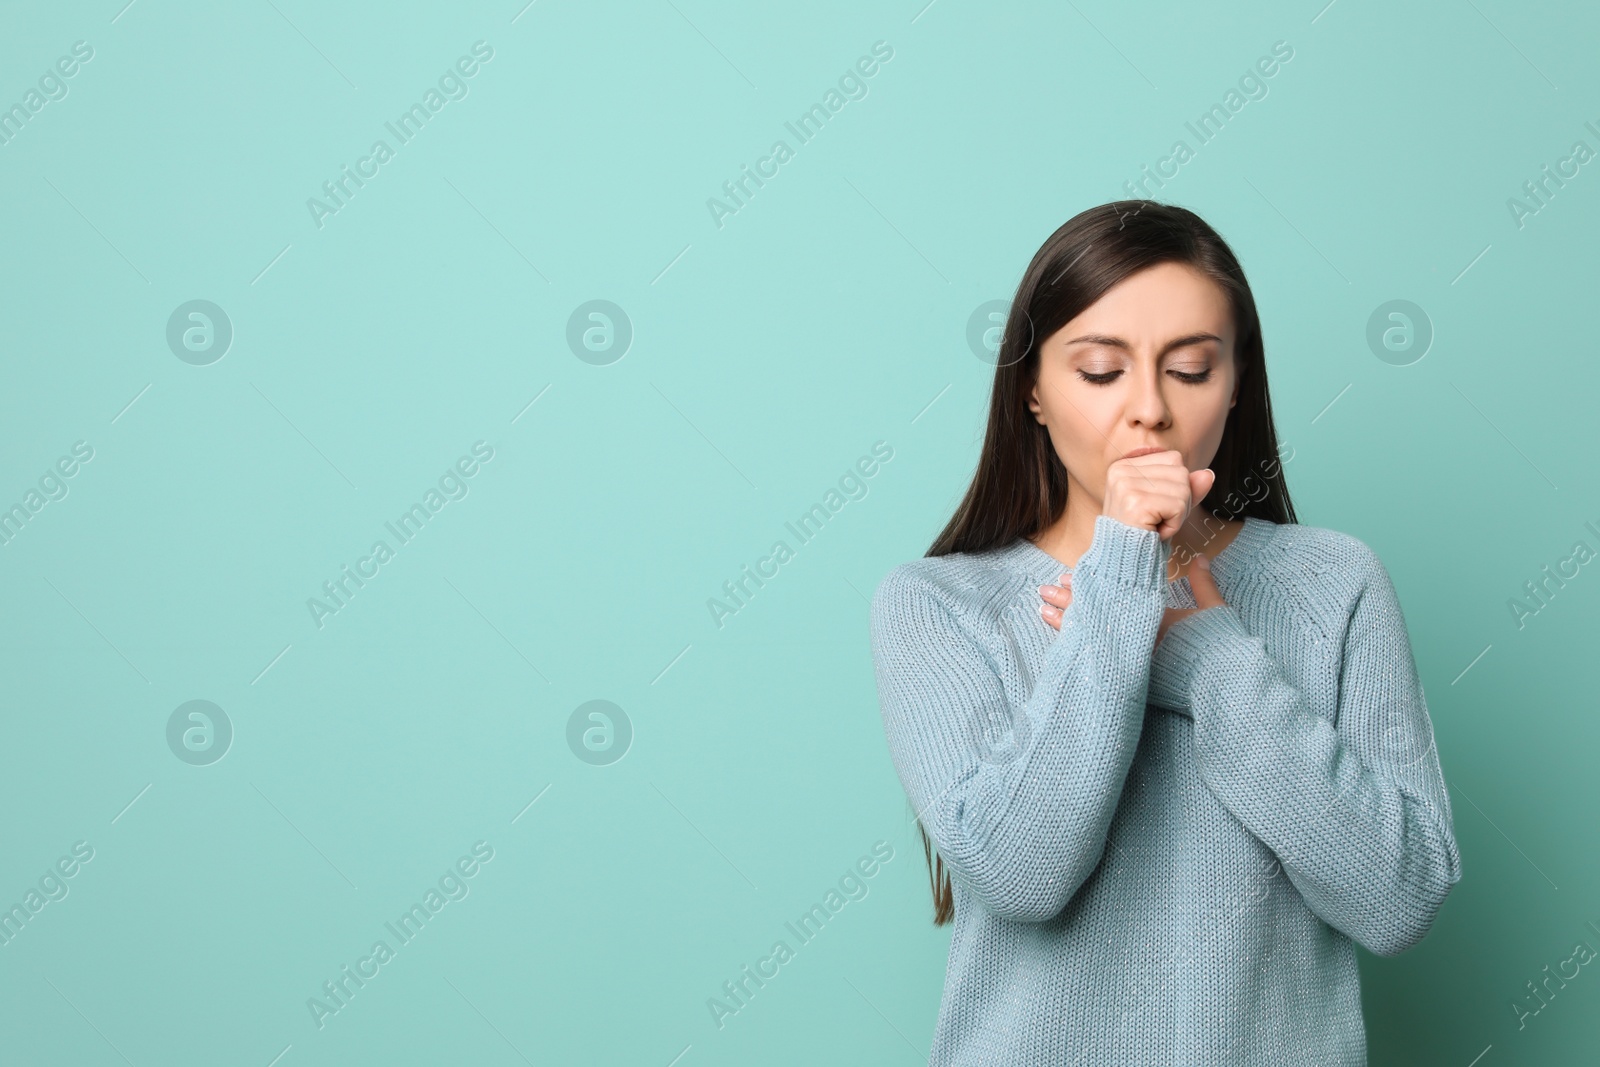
x=828 y=314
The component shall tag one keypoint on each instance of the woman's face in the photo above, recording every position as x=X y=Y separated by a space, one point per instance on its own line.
x=1151 y=363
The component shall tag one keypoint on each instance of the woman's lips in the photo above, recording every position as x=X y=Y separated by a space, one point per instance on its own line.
x=1144 y=450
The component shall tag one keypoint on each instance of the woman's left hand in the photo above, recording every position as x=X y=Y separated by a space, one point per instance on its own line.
x=1206 y=595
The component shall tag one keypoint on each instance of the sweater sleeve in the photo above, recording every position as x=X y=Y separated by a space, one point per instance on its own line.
x=1356 y=810
x=1025 y=828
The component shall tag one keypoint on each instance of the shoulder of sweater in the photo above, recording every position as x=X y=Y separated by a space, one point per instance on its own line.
x=1321 y=574
x=1316 y=555
x=958 y=583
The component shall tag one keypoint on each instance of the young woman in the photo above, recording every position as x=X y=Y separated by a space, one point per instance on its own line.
x=1167 y=748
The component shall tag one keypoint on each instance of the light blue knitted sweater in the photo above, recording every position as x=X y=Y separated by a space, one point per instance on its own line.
x=1169 y=857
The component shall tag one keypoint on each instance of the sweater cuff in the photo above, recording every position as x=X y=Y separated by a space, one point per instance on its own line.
x=1179 y=655
x=1127 y=554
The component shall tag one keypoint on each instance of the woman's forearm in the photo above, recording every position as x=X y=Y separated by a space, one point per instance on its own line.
x=1024 y=832
x=1355 y=809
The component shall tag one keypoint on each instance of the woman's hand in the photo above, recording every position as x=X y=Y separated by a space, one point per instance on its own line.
x=1056 y=599
x=1206 y=595
x=1154 y=491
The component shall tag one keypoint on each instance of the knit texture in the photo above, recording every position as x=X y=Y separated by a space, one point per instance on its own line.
x=1165 y=854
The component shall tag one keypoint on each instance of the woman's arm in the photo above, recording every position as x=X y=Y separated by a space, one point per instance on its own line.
x=1357 y=811
x=1023 y=833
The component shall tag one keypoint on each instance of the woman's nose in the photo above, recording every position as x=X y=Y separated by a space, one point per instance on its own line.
x=1146 y=402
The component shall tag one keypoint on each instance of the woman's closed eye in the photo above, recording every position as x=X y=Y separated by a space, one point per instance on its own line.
x=1110 y=376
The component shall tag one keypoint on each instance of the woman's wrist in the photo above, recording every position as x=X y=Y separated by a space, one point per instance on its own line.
x=1129 y=555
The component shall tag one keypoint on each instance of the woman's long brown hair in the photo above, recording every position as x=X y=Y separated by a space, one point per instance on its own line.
x=1020 y=487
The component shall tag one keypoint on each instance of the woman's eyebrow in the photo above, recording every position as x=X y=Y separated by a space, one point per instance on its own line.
x=1117 y=342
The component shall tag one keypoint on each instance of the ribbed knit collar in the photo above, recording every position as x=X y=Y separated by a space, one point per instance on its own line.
x=1028 y=558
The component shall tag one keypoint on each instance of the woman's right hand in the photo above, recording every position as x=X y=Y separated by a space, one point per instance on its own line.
x=1154 y=491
